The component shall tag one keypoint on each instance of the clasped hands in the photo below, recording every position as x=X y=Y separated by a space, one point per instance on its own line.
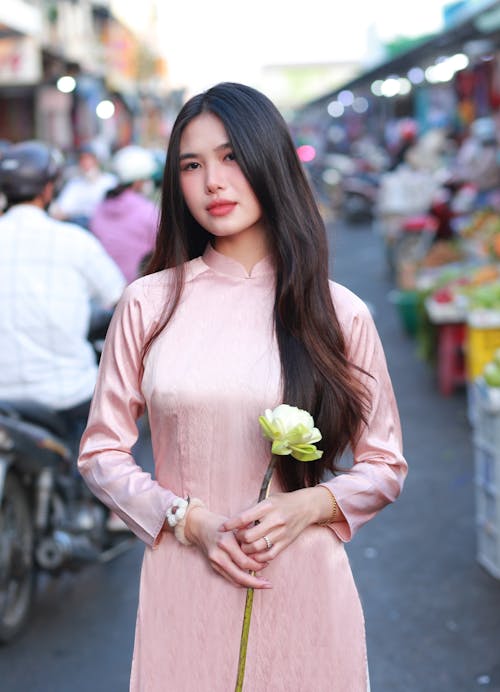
x=235 y=547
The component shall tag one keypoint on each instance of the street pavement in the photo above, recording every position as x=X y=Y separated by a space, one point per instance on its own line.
x=432 y=613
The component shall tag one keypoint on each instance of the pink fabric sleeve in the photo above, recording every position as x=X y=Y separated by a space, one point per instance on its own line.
x=106 y=462
x=379 y=469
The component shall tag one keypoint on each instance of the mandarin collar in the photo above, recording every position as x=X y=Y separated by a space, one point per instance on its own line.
x=223 y=264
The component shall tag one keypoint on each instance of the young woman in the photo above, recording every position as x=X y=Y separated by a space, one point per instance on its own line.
x=236 y=316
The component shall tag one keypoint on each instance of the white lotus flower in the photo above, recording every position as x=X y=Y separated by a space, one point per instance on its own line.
x=291 y=431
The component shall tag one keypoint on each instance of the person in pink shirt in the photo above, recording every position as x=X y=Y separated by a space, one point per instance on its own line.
x=236 y=315
x=126 y=220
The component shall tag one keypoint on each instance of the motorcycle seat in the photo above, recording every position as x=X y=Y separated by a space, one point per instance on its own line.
x=34 y=412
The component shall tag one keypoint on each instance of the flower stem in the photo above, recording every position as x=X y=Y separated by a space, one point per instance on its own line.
x=244 y=640
x=247 y=615
x=266 y=482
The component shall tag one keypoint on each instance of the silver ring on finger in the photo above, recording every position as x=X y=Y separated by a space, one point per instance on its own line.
x=269 y=543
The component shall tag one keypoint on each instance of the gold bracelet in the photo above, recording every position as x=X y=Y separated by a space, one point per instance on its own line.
x=333 y=501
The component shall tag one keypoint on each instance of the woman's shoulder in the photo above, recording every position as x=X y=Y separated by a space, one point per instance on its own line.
x=164 y=279
x=150 y=293
x=347 y=304
x=356 y=321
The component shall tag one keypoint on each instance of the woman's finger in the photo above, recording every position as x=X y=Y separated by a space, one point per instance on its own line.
x=260 y=545
x=237 y=576
x=269 y=526
x=247 y=517
x=231 y=547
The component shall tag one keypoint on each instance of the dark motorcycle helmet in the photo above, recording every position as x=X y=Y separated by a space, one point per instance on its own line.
x=26 y=168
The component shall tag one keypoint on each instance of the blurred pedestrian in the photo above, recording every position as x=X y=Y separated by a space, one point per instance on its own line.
x=237 y=316
x=478 y=161
x=126 y=220
x=50 y=272
x=82 y=193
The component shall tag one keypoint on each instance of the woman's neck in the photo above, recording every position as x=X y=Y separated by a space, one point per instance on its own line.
x=247 y=248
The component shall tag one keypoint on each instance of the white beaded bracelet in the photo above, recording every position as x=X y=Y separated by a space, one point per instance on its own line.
x=177 y=515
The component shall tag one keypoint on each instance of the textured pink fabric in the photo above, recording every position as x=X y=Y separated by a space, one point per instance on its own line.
x=206 y=380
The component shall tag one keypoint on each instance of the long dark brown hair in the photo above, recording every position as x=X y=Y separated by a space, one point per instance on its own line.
x=316 y=375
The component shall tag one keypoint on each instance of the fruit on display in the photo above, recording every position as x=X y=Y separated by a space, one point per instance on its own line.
x=443 y=252
x=484 y=274
x=494 y=246
x=491 y=372
x=484 y=224
x=449 y=287
x=484 y=297
x=443 y=295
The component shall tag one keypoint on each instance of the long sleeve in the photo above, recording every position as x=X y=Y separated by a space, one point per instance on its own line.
x=379 y=468
x=106 y=462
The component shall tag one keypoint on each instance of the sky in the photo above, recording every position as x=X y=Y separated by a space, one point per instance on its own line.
x=232 y=40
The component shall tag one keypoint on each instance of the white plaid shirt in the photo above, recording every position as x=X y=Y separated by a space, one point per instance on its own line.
x=50 y=272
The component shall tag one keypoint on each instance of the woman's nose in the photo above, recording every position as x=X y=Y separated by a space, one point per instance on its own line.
x=214 y=180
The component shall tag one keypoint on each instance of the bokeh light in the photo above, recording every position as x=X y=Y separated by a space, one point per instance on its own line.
x=105 y=109
x=306 y=153
x=66 y=84
x=335 y=109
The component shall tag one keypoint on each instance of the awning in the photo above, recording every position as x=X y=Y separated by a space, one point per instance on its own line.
x=482 y=27
x=19 y=18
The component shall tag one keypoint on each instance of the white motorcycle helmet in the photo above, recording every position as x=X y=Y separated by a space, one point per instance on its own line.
x=484 y=130
x=133 y=163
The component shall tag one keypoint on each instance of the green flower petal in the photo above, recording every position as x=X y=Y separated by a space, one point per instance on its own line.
x=306 y=452
x=280 y=447
x=267 y=428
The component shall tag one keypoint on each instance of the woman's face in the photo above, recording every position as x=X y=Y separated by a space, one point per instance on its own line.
x=214 y=188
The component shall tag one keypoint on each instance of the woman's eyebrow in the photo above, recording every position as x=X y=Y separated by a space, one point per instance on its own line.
x=190 y=155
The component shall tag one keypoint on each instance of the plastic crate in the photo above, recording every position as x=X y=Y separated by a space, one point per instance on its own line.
x=484 y=413
x=406 y=303
x=487 y=470
x=480 y=345
x=488 y=548
x=488 y=510
x=488 y=507
x=487 y=428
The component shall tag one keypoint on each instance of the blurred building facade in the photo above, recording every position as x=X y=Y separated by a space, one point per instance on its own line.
x=445 y=81
x=73 y=72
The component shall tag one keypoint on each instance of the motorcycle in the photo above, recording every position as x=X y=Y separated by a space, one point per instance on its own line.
x=360 y=192
x=49 y=520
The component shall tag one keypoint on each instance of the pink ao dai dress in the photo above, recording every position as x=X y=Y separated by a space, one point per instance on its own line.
x=205 y=381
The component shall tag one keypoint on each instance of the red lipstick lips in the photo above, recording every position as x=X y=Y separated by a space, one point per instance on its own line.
x=221 y=207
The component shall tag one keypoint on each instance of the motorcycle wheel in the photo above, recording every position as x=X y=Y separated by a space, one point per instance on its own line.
x=357 y=209
x=17 y=572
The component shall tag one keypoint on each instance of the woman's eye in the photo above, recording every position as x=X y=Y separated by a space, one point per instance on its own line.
x=231 y=156
x=190 y=166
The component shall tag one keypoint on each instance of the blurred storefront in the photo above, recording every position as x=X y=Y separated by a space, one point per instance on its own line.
x=20 y=67
x=74 y=72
